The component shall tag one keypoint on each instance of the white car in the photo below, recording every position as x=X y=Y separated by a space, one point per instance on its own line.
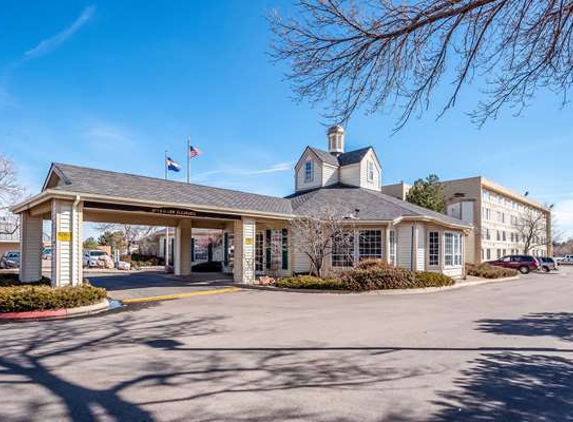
x=92 y=257
x=568 y=259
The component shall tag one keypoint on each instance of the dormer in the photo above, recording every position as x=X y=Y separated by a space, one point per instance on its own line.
x=317 y=168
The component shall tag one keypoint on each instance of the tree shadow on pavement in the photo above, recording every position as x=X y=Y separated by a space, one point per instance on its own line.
x=511 y=387
x=559 y=325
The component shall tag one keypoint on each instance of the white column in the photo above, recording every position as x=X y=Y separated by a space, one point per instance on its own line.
x=31 y=244
x=244 y=271
x=67 y=249
x=182 y=252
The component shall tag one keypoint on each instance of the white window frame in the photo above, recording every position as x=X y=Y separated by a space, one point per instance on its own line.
x=309 y=171
x=370 y=171
x=337 y=257
x=372 y=247
x=392 y=246
x=434 y=249
x=453 y=249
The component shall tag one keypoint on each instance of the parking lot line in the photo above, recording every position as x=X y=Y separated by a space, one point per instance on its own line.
x=182 y=295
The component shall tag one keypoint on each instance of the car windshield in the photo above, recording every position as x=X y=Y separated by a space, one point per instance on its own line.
x=14 y=255
x=97 y=253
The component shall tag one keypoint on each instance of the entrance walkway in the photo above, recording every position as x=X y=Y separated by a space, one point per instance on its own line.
x=152 y=283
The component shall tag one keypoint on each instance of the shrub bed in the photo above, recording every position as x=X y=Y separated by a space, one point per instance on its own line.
x=369 y=275
x=310 y=282
x=26 y=297
x=489 y=271
x=8 y=280
x=140 y=260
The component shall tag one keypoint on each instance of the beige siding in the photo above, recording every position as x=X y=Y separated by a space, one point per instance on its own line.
x=398 y=190
x=364 y=182
x=31 y=254
x=316 y=181
x=350 y=175
x=421 y=249
x=404 y=245
x=329 y=175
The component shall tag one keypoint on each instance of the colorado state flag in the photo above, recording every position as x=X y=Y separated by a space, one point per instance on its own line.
x=172 y=165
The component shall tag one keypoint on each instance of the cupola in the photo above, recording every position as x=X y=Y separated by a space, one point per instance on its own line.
x=336 y=140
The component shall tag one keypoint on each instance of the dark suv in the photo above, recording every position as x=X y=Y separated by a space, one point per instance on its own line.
x=522 y=263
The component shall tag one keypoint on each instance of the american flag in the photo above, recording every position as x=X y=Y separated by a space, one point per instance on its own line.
x=194 y=151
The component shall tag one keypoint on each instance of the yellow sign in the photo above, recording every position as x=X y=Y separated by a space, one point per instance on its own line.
x=64 y=236
x=249 y=241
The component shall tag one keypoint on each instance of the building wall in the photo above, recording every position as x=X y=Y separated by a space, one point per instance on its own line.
x=316 y=182
x=329 y=175
x=350 y=175
x=494 y=207
x=398 y=190
x=376 y=182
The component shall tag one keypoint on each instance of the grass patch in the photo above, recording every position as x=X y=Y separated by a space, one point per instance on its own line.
x=489 y=271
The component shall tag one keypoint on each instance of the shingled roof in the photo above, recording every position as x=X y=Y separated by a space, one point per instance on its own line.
x=123 y=185
x=373 y=205
x=344 y=159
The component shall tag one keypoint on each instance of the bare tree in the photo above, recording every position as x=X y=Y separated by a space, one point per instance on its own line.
x=532 y=230
x=131 y=234
x=320 y=234
x=386 y=53
x=10 y=193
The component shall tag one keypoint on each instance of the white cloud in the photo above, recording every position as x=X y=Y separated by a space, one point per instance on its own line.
x=49 y=44
x=106 y=137
x=284 y=166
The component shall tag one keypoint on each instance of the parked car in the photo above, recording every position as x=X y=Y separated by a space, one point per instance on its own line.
x=92 y=257
x=522 y=263
x=568 y=259
x=548 y=263
x=47 y=253
x=10 y=259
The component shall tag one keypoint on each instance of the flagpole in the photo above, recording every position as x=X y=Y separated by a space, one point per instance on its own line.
x=188 y=158
x=166 y=227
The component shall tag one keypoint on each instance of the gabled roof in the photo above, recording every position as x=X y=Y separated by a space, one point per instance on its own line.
x=122 y=185
x=344 y=159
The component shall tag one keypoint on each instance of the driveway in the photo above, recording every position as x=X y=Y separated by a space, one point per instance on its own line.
x=121 y=286
x=495 y=352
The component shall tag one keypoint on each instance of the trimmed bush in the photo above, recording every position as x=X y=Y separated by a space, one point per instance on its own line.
x=310 y=282
x=208 y=267
x=429 y=279
x=24 y=298
x=489 y=271
x=9 y=280
x=140 y=260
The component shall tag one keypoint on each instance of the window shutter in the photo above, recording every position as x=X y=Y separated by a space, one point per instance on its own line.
x=226 y=249
x=268 y=249
x=285 y=249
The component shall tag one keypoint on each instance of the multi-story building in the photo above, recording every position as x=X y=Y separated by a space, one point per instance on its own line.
x=504 y=221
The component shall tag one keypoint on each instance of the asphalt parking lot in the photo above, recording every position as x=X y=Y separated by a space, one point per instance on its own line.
x=495 y=352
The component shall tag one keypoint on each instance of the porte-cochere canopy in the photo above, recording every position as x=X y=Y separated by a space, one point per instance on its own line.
x=73 y=194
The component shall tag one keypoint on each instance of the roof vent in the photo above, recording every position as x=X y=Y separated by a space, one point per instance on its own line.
x=336 y=140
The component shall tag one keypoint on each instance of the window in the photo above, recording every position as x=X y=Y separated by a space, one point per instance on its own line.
x=488 y=254
x=309 y=171
x=434 y=249
x=370 y=171
x=370 y=244
x=498 y=237
x=503 y=236
x=392 y=242
x=498 y=254
x=453 y=249
x=343 y=250
x=487 y=234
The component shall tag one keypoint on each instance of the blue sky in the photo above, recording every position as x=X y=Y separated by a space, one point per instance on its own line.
x=113 y=84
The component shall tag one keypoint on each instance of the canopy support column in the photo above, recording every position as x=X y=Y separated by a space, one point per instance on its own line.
x=67 y=244
x=31 y=254
x=244 y=270
x=182 y=256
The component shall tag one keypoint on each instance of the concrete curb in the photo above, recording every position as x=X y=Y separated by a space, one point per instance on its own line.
x=174 y=296
x=383 y=292
x=56 y=313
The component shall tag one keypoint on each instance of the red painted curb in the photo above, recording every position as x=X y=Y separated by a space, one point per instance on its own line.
x=33 y=314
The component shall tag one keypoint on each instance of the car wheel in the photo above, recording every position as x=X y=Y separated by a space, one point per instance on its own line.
x=523 y=269
x=546 y=269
